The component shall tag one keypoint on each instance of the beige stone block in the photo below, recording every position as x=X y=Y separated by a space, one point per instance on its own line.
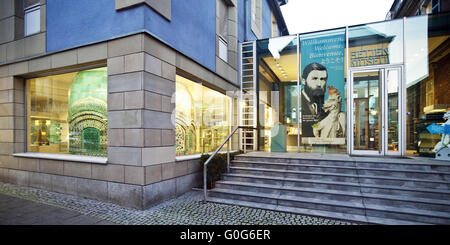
x=7 y=109
x=18 y=68
x=51 y=166
x=134 y=62
x=164 y=8
x=123 y=46
x=134 y=100
x=116 y=137
x=29 y=164
x=66 y=58
x=134 y=137
x=153 y=65
x=6 y=83
x=40 y=64
x=158 y=84
x=131 y=156
x=43 y=16
x=75 y=169
x=15 y=50
x=110 y=172
x=92 y=53
x=116 y=65
x=168 y=71
x=135 y=175
x=181 y=168
x=194 y=166
x=19 y=123
x=4 y=71
x=120 y=4
x=7 y=135
x=6 y=122
x=19 y=83
x=2 y=53
x=168 y=170
x=166 y=104
x=35 y=44
x=9 y=162
x=19 y=96
x=167 y=137
x=159 y=50
x=157 y=119
x=6 y=148
x=152 y=137
x=157 y=155
x=115 y=101
x=19 y=136
x=19 y=147
x=153 y=174
x=125 y=119
x=125 y=82
x=19 y=109
x=153 y=101
x=6 y=96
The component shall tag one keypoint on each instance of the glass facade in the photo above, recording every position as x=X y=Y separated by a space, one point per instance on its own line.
x=202 y=117
x=427 y=61
x=393 y=76
x=67 y=113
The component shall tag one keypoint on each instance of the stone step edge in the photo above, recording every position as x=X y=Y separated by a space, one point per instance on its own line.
x=341 y=167
x=383 y=208
x=341 y=175
x=437 y=191
x=345 y=160
x=316 y=213
x=344 y=193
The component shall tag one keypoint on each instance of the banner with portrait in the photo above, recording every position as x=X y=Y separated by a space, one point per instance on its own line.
x=322 y=77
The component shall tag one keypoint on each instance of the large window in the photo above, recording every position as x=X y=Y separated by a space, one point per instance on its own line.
x=67 y=113
x=427 y=59
x=203 y=117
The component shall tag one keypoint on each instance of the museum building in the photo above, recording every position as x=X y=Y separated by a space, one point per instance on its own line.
x=117 y=100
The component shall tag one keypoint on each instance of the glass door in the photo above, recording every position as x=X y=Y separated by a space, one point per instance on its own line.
x=375 y=106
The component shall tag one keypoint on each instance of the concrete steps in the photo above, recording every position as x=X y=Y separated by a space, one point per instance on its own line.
x=399 y=193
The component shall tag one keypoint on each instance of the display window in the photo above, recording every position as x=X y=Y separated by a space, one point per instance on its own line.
x=67 y=113
x=202 y=117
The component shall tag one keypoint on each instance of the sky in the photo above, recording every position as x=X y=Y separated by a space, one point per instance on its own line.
x=314 y=15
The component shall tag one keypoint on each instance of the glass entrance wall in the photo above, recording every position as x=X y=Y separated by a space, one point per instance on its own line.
x=278 y=94
x=427 y=59
x=305 y=78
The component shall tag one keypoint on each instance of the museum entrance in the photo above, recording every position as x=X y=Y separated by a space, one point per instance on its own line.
x=376 y=108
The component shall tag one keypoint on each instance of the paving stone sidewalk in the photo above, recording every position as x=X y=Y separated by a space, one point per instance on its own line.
x=24 y=205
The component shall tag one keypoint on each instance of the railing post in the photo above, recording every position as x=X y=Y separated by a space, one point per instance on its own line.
x=204 y=182
x=228 y=156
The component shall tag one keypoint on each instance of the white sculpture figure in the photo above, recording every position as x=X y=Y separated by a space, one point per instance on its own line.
x=442 y=148
x=333 y=125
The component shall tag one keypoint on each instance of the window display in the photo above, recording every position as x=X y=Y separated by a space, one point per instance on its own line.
x=202 y=120
x=67 y=113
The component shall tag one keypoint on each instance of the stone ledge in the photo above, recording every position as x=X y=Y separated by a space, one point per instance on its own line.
x=63 y=157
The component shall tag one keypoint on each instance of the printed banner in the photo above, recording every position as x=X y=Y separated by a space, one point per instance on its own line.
x=323 y=89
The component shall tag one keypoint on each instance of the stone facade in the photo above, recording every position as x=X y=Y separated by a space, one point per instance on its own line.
x=141 y=169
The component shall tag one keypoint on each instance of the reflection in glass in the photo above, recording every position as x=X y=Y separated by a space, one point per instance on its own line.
x=376 y=44
x=202 y=118
x=67 y=113
x=392 y=84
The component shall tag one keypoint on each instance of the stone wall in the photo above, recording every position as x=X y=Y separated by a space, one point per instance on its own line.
x=141 y=169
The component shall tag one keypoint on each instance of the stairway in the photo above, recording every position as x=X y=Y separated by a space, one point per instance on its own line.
x=362 y=191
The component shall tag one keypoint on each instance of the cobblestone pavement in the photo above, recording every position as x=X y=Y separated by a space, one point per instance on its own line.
x=187 y=209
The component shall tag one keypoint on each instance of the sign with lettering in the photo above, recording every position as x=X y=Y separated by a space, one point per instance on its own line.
x=366 y=57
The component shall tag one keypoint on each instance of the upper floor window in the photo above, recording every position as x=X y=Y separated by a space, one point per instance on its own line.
x=256 y=16
x=222 y=13
x=274 y=27
x=32 y=17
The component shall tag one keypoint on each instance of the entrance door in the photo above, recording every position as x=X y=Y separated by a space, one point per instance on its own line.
x=376 y=97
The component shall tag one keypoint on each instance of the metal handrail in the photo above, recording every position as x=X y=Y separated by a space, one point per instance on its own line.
x=228 y=156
